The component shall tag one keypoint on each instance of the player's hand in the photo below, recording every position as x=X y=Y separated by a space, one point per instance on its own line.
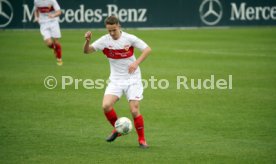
x=36 y=19
x=132 y=67
x=51 y=16
x=88 y=35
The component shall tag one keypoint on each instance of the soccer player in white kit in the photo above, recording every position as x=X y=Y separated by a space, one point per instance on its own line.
x=125 y=76
x=46 y=14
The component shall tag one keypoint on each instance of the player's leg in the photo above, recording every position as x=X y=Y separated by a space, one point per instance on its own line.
x=134 y=94
x=112 y=94
x=49 y=43
x=138 y=122
x=56 y=34
x=58 y=51
x=108 y=103
x=110 y=114
x=45 y=32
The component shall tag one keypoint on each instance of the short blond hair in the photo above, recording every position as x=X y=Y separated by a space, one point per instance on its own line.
x=111 y=20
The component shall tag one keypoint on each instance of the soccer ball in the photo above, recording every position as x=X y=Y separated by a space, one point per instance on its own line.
x=123 y=125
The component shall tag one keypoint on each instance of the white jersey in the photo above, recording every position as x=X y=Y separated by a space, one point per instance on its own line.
x=45 y=7
x=120 y=54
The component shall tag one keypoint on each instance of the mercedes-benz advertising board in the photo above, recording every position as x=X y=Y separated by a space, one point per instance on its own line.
x=145 y=13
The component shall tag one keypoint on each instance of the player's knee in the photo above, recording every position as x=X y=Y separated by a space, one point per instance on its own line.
x=56 y=41
x=134 y=108
x=49 y=43
x=106 y=107
x=135 y=112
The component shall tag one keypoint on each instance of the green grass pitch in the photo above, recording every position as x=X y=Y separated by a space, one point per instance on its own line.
x=38 y=125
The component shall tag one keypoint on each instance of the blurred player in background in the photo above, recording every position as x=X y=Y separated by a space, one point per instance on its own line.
x=46 y=14
x=125 y=76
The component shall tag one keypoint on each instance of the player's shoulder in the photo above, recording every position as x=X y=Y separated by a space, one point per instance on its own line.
x=125 y=34
x=105 y=37
x=128 y=36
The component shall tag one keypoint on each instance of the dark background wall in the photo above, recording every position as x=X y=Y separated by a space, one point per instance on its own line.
x=146 y=13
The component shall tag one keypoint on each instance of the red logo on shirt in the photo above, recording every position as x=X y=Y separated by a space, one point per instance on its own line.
x=126 y=47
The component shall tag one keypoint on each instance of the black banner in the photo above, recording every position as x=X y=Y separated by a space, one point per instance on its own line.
x=145 y=13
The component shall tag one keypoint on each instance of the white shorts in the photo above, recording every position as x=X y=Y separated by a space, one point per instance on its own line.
x=50 y=30
x=132 y=91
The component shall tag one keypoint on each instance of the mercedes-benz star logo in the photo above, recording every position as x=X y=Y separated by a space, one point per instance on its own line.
x=210 y=12
x=6 y=13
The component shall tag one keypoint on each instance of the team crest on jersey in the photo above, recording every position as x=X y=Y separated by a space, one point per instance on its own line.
x=126 y=47
x=111 y=53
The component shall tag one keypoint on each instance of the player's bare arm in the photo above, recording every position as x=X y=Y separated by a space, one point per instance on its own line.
x=36 y=14
x=143 y=56
x=56 y=14
x=87 y=48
